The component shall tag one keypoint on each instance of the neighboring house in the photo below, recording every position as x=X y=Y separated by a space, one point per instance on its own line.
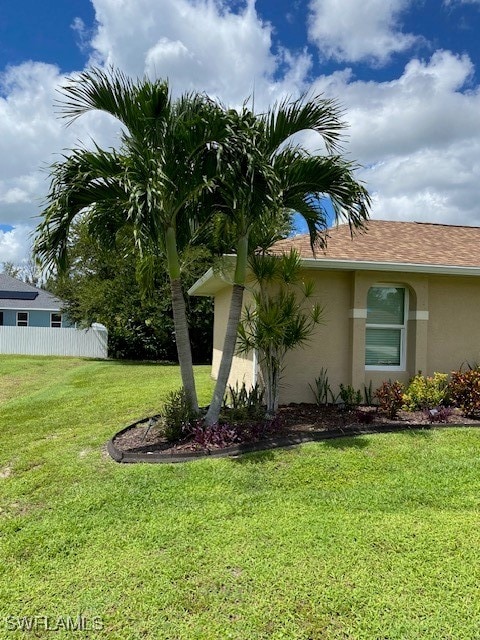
x=32 y=322
x=22 y=305
x=401 y=298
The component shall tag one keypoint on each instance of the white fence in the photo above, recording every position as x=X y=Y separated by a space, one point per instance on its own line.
x=43 y=341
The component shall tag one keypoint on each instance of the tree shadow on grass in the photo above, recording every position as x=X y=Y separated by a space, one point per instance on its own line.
x=143 y=363
x=257 y=457
x=349 y=442
x=419 y=433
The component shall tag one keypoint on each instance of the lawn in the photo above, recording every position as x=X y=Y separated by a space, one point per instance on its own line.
x=362 y=538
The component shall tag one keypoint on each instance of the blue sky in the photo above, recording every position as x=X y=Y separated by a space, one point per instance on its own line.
x=405 y=71
x=28 y=32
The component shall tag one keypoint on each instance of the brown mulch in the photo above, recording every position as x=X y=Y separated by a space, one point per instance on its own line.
x=292 y=420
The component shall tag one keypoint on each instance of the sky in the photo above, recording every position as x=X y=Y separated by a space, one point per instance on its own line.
x=406 y=73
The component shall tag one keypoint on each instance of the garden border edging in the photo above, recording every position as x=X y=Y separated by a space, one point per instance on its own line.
x=160 y=457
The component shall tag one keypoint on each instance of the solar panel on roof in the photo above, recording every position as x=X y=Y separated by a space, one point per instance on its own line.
x=18 y=295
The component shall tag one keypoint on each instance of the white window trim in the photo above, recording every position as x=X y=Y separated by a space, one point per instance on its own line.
x=402 y=327
x=58 y=324
x=28 y=319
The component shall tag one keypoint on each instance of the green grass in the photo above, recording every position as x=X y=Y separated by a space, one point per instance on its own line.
x=365 y=538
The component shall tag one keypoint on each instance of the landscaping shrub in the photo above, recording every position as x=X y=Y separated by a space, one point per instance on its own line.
x=365 y=416
x=426 y=392
x=241 y=403
x=464 y=390
x=390 y=397
x=217 y=435
x=438 y=414
x=350 y=398
x=177 y=415
x=368 y=393
x=225 y=434
x=321 y=389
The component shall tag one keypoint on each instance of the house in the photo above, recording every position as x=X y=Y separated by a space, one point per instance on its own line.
x=22 y=305
x=401 y=298
x=32 y=323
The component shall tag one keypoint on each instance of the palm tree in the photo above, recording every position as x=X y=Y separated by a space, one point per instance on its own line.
x=267 y=173
x=166 y=154
x=280 y=319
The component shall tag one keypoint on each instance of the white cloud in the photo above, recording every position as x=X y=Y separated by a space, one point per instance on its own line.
x=32 y=137
x=449 y=2
x=418 y=135
x=418 y=138
x=197 y=45
x=83 y=34
x=349 y=30
x=15 y=245
x=423 y=107
x=200 y=45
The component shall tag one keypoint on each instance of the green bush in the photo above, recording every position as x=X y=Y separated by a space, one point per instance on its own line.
x=178 y=415
x=368 y=394
x=464 y=390
x=390 y=397
x=242 y=404
x=321 y=389
x=350 y=398
x=426 y=392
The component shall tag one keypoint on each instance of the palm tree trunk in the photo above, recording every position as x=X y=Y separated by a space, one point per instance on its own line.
x=230 y=340
x=270 y=384
x=228 y=352
x=182 y=337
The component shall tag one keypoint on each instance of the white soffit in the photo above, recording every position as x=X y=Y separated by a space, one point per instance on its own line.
x=405 y=267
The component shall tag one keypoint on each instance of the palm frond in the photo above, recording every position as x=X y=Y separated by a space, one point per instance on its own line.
x=318 y=114
x=85 y=180
x=306 y=182
x=136 y=105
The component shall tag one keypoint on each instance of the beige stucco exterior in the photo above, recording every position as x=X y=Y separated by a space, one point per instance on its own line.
x=442 y=331
x=242 y=366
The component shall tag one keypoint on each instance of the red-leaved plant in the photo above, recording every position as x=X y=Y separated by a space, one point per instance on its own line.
x=390 y=397
x=464 y=390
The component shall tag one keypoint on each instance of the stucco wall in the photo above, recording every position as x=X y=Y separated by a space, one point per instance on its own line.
x=339 y=345
x=329 y=346
x=443 y=331
x=454 y=322
x=242 y=366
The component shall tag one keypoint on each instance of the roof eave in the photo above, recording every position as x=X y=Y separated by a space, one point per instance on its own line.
x=405 y=267
x=214 y=280
x=25 y=308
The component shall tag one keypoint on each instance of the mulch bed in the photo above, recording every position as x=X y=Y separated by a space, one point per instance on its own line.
x=295 y=423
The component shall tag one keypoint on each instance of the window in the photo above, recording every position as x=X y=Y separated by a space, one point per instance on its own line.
x=1 y=318
x=22 y=319
x=56 y=320
x=386 y=328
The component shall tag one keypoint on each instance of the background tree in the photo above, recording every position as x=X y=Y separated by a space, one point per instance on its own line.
x=101 y=285
x=27 y=271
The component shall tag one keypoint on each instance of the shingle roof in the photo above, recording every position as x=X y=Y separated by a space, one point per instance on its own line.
x=42 y=300
x=396 y=242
